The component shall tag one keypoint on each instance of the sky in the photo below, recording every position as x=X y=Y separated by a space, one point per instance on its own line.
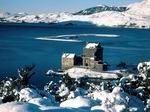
x=48 y=6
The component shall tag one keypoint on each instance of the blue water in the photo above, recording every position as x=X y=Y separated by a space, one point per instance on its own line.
x=18 y=47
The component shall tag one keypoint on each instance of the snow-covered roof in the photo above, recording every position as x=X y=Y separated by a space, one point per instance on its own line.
x=91 y=45
x=68 y=55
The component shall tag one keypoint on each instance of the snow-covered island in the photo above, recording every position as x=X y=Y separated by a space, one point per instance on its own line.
x=134 y=16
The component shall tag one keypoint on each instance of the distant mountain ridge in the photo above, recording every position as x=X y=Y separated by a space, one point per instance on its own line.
x=136 y=15
x=98 y=9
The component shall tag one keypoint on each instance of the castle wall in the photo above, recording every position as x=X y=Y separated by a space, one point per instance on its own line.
x=67 y=62
x=89 y=52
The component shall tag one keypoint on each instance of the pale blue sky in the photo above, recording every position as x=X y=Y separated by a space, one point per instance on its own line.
x=46 y=6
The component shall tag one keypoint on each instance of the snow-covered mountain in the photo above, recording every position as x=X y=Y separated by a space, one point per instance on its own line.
x=134 y=15
x=141 y=9
x=4 y=15
x=100 y=8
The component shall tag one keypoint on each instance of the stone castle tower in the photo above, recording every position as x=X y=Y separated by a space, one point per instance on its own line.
x=93 y=57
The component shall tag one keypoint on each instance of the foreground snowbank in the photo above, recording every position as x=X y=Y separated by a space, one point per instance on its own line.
x=104 y=101
x=28 y=107
x=129 y=94
x=77 y=102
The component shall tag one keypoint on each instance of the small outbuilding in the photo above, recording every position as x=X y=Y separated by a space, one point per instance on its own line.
x=70 y=60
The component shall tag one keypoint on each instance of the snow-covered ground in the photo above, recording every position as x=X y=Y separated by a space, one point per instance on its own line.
x=137 y=15
x=81 y=99
x=115 y=101
x=29 y=107
x=77 y=72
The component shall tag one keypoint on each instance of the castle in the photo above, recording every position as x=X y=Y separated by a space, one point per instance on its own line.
x=92 y=58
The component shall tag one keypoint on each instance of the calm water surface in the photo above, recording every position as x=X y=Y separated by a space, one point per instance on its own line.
x=18 y=47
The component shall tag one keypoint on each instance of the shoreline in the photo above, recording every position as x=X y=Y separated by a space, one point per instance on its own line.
x=65 y=25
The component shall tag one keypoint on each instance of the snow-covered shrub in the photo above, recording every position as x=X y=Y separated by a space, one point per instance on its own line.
x=37 y=97
x=143 y=68
x=71 y=83
x=63 y=92
x=116 y=101
x=8 y=90
x=61 y=89
x=27 y=94
x=138 y=85
x=147 y=107
x=52 y=87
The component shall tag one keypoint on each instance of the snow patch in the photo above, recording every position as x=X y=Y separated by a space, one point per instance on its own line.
x=76 y=72
x=27 y=94
x=91 y=45
x=76 y=102
x=68 y=55
x=63 y=40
